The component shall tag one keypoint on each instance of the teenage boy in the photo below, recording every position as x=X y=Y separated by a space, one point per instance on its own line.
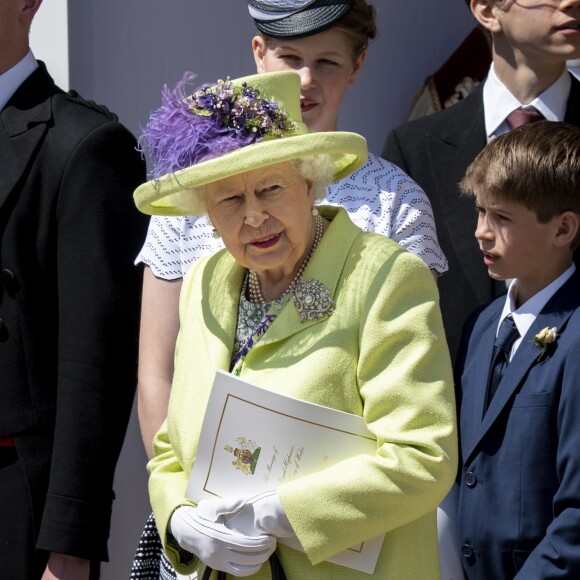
x=518 y=371
x=531 y=40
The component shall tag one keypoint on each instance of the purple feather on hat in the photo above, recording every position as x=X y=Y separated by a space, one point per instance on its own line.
x=214 y=120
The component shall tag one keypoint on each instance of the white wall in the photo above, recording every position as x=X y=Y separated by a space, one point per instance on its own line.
x=49 y=39
x=122 y=52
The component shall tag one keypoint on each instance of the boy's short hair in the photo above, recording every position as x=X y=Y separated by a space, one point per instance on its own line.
x=537 y=165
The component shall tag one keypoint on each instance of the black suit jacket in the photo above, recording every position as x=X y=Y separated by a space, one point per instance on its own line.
x=69 y=305
x=436 y=151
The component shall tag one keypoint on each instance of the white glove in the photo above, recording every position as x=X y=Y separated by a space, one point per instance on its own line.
x=251 y=515
x=217 y=546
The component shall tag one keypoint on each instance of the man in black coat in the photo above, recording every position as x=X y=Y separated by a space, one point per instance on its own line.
x=531 y=42
x=69 y=312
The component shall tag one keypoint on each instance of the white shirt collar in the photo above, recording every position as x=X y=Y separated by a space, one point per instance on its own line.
x=498 y=102
x=574 y=67
x=15 y=76
x=526 y=314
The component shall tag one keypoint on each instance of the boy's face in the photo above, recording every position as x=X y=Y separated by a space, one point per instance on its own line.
x=514 y=243
x=539 y=30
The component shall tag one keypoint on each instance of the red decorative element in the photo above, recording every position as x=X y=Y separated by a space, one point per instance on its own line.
x=522 y=116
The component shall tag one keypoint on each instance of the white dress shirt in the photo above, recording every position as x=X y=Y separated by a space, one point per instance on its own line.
x=574 y=67
x=498 y=102
x=15 y=76
x=526 y=314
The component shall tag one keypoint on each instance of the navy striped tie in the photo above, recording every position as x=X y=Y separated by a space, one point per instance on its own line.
x=506 y=336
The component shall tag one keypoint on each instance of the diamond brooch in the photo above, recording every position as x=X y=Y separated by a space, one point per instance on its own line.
x=312 y=299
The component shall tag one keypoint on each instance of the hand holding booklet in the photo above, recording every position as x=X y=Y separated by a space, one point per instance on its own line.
x=253 y=439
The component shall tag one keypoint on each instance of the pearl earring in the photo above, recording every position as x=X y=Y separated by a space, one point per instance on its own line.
x=215 y=233
x=315 y=212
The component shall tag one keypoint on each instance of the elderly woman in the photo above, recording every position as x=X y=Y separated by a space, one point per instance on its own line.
x=369 y=341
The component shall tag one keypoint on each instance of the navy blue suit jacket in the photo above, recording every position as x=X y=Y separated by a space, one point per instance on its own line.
x=519 y=506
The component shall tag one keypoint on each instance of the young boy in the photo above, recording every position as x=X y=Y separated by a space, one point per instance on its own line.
x=519 y=498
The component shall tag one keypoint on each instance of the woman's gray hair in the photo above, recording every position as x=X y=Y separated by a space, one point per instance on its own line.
x=317 y=169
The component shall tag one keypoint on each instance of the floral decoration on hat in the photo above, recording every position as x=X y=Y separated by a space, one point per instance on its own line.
x=243 y=110
x=545 y=337
x=216 y=119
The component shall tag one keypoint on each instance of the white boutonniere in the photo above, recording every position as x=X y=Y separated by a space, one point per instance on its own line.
x=545 y=337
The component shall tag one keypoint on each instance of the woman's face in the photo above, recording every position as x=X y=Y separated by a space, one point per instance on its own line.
x=326 y=68
x=264 y=217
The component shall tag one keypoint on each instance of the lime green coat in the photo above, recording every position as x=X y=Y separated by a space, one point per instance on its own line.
x=382 y=354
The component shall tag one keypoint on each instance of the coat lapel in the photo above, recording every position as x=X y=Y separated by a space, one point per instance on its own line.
x=515 y=373
x=23 y=126
x=223 y=278
x=556 y=313
x=573 y=108
x=326 y=266
x=453 y=150
x=221 y=285
x=474 y=390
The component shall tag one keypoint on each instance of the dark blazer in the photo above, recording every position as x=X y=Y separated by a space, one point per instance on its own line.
x=436 y=151
x=519 y=506
x=69 y=305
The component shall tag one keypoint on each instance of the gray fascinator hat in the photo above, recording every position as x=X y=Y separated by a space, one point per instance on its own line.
x=296 y=18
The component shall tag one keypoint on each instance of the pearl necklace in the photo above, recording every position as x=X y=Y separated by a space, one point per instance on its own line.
x=254 y=288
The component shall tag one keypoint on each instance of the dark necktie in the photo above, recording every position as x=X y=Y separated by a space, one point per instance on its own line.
x=506 y=336
x=521 y=116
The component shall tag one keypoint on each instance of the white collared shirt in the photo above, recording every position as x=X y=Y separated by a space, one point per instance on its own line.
x=15 y=76
x=498 y=102
x=574 y=67
x=527 y=313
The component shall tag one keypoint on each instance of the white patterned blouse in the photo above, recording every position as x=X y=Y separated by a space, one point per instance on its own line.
x=379 y=197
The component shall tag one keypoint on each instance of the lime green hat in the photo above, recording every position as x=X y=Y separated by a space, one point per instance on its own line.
x=228 y=128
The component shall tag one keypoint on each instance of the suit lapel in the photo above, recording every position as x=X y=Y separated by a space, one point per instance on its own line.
x=556 y=313
x=326 y=266
x=23 y=126
x=453 y=151
x=223 y=278
x=221 y=285
x=523 y=360
x=573 y=117
x=474 y=387
x=573 y=107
